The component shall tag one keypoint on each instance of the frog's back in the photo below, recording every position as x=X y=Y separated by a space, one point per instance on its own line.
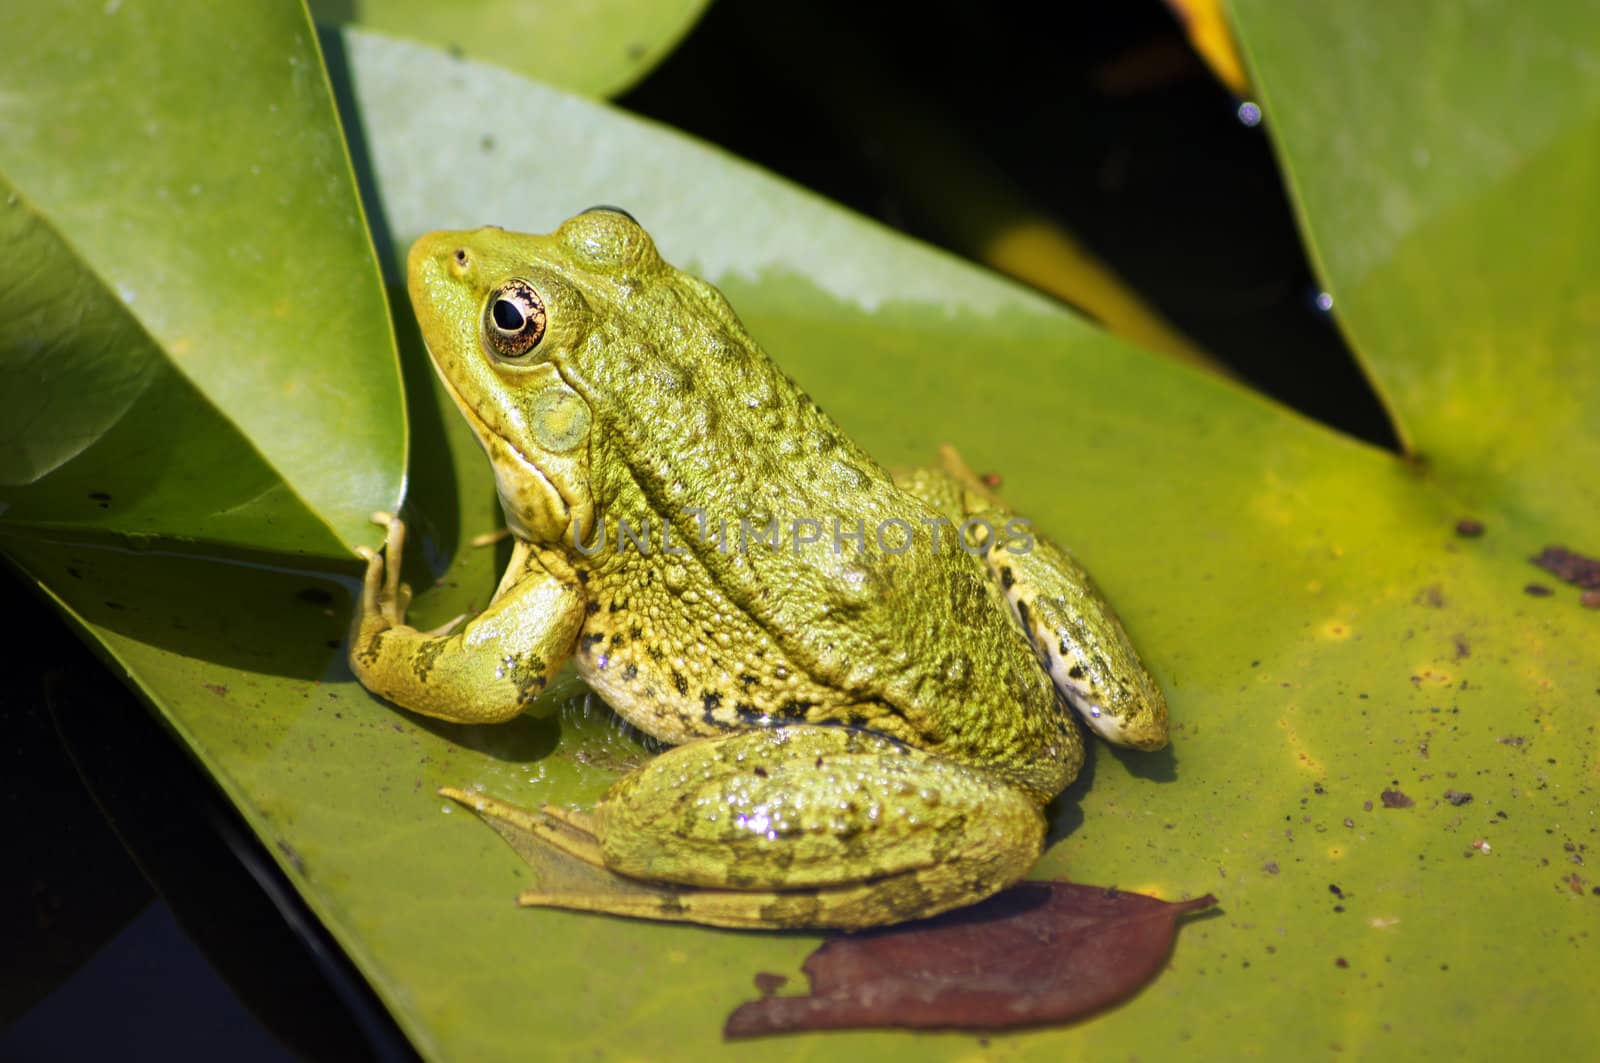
x=795 y=539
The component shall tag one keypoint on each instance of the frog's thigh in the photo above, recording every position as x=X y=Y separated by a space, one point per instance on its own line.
x=490 y=670
x=818 y=826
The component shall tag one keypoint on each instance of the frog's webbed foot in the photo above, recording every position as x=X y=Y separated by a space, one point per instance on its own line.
x=566 y=830
x=561 y=847
x=783 y=827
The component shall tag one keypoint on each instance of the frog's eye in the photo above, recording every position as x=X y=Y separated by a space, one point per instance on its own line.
x=513 y=322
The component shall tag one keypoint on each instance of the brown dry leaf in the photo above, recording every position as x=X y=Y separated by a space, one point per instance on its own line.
x=1044 y=952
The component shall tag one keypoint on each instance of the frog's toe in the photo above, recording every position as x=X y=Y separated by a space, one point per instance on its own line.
x=371 y=580
x=448 y=626
x=383 y=596
x=393 y=550
x=478 y=542
x=402 y=602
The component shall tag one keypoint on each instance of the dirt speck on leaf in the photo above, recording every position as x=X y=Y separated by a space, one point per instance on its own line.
x=1569 y=566
x=291 y=854
x=1457 y=797
x=1042 y=952
x=1395 y=799
x=1469 y=527
x=1431 y=596
x=1537 y=590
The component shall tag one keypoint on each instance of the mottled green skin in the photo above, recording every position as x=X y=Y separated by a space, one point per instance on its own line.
x=863 y=736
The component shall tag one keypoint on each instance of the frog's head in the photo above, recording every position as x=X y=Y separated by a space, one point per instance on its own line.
x=503 y=315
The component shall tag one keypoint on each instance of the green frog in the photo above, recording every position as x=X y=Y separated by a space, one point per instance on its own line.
x=866 y=677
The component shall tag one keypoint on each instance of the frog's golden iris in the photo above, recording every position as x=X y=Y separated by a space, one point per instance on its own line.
x=861 y=736
x=514 y=322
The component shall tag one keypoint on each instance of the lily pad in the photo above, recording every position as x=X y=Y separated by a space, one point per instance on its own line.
x=190 y=288
x=1447 y=191
x=594 y=47
x=1323 y=632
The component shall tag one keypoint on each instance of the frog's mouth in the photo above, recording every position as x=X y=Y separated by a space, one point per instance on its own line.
x=532 y=501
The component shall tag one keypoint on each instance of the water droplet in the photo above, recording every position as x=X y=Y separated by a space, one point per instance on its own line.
x=1249 y=114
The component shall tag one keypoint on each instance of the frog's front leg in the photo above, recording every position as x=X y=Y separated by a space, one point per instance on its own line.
x=487 y=672
x=799 y=826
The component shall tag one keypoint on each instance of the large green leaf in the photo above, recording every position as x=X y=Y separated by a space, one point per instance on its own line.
x=1324 y=636
x=594 y=47
x=1447 y=188
x=189 y=290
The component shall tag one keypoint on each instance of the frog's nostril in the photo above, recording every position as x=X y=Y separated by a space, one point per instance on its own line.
x=461 y=257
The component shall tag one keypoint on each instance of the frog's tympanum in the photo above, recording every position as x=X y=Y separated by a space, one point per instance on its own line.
x=866 y=676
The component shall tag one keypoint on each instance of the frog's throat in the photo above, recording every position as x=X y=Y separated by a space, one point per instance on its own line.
x=524 y=488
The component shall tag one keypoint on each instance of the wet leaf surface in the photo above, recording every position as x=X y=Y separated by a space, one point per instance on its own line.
x=1042 y=952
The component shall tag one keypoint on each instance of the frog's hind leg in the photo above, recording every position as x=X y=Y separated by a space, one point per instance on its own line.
x=1080 y=640
x=802 y=826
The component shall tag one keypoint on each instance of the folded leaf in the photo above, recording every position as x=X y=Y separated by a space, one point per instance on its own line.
x=191 y=320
